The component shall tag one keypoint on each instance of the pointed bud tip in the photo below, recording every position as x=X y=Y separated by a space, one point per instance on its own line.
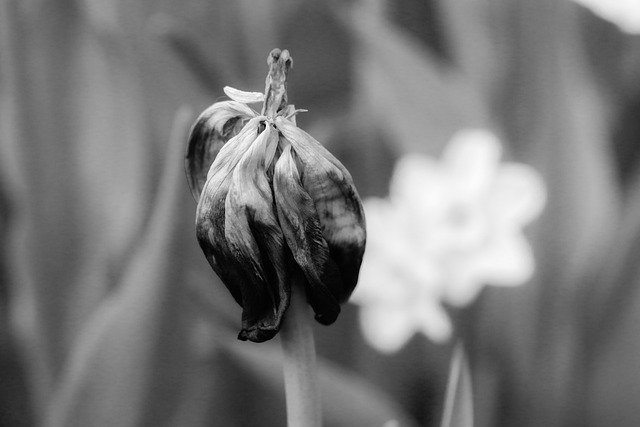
x=280 y=56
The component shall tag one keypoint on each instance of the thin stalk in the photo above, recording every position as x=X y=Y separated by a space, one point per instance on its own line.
x=296 y=333
x=299 y=360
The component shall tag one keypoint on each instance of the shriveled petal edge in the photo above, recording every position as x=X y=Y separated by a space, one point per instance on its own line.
x=208 y=134
x=347 y=249
x=303 y=232
x=242 y=96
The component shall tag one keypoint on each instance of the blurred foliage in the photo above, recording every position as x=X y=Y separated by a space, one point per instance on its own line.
x=109 y=314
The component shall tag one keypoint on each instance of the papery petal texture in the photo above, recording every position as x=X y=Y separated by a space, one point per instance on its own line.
x=210 y=213
x=257 y=243
x=242 y=96
x=211 y=130
x=336 y=201
x=303 y=232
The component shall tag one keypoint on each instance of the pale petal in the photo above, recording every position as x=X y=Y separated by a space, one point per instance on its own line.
x=462 y=288
x=242 y=96
x=518 y=195
x=507 y=260
x=384 y=233
x=386 y=328
x=447 y=230
x=433 y=321
x=460 y=228
x=379 y=213
x=427 y=276
x=471 y=158
x=624 y=13
x=395 y=248
x=418 y=184
x=378 y=283
x=218 y=114
x=290 y=113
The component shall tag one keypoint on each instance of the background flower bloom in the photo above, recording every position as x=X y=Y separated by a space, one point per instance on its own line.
x=624 y=13
x=448 y=228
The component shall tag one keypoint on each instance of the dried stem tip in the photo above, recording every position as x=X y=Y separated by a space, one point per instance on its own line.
x=275 y=91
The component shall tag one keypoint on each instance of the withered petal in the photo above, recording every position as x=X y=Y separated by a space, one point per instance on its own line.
x=243 y=96
x=210 y=213
x=213 y=219
x=232 y=152
x=257 y=243
x=303 y=233
x=336 y=201
x=211 y=130
x=210 y=220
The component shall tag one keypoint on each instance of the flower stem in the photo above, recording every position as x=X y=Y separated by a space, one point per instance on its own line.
x=299 y=354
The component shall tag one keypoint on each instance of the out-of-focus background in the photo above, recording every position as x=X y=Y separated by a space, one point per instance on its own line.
x=109 y=314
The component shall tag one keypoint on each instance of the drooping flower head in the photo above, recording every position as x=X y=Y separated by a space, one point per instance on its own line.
x=274 y=207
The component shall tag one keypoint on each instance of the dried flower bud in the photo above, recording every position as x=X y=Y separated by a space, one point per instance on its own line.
x=273 y=204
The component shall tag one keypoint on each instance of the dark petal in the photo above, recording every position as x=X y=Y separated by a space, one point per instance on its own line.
x=220 y=214
x=303 y=233
x=211 y=130
x=210 y=213
x=210 y=233
x=257 y=243
x=336 y=201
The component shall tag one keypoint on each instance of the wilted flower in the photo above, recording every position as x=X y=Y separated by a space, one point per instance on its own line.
x=448 y=228
x=273 y=207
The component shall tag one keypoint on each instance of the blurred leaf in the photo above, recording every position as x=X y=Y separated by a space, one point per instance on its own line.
x=613 y=286
x=127 y=367
x=423 y=19
x=322 y=51
x=82 y=176
x=611 y=366
x=458 y=407
x=209 y=70
x=553 y=117
x=477 y=42
x=415 y=99
x=27 y=185
x=611 y=383
x=556 y=119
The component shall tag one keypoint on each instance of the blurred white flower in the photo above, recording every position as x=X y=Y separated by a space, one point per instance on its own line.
x=448 y=228
x=623 y=13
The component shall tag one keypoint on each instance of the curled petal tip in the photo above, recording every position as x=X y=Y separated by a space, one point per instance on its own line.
x=258 y=335
x=327 y=318
x=209 y=133
x=242 y=96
